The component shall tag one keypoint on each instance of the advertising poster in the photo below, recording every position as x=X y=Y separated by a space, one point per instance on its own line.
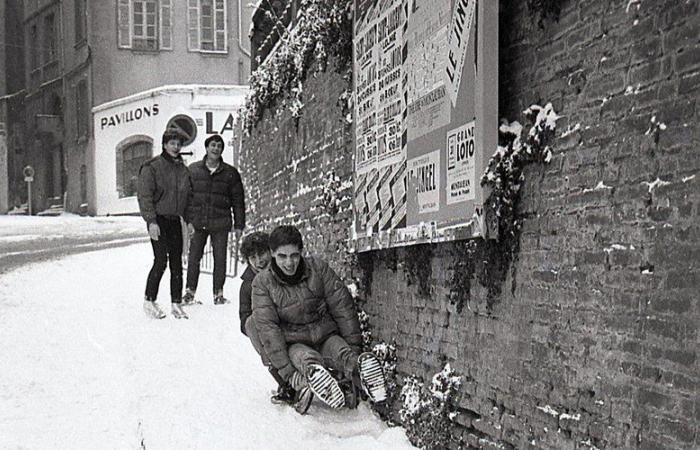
x=428 y=104
x=457 y=40
x=424 y=181
x=426 y=122
x=390 y=76
x=461 y=164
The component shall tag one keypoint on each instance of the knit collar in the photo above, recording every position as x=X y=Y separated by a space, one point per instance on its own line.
x=289 y=279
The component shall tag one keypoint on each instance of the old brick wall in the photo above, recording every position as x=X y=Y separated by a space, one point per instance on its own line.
x=593 y=342
x=288 y=166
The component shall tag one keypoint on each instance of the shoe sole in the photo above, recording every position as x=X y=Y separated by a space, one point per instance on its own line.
x=372 y=377
x=325 y=387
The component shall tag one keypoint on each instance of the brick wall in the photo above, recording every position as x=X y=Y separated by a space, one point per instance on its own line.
x=593 y=341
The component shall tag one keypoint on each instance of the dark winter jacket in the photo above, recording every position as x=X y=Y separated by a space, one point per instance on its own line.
x=307 y=313
x=245 y=308
x=164 y=187
x=213 y=197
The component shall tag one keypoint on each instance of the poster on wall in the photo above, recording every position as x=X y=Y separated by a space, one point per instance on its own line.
x=425 y=114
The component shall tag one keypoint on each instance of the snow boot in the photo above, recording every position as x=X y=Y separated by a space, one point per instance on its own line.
x=151 y=308
x=188 y=299
x=178 y=312
x=220 y=300
x=302 y=400
x=351 y=392
x=324 y=386
x=372 y=377
x=284 y=395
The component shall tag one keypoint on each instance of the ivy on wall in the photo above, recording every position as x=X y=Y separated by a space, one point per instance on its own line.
x=323 y=32
x=488 y=261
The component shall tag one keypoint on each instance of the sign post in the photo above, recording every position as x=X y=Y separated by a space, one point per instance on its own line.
x=29 y=177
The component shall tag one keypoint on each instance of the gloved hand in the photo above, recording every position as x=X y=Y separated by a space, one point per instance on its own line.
x=154 y=231
x=297 y=380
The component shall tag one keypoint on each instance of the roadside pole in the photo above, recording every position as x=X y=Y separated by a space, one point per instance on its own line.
x=29 y=177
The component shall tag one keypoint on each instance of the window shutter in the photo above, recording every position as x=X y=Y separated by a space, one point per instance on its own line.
x=124 y=24
x=166 y=24
x=193 y=24
x=220 y=43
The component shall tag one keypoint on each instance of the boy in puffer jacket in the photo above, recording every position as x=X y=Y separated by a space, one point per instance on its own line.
x=307 y=322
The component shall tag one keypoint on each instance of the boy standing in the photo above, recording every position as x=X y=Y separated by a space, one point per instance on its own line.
x=163 y=190
x=217 y=190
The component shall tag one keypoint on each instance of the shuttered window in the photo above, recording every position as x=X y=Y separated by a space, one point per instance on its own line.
x=144 y=24
x=207 y=26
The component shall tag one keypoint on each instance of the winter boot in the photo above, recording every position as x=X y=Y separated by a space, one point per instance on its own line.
x=152 y=309
x=324 y=386
x=284 y=395
x=302 y=400
x=219 y=299
x=372 y=377
x=351 y=392
x=178 y=312
x=188 y=299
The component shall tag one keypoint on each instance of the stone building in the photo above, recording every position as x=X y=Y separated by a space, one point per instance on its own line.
x=586 y=336
x=77 y=55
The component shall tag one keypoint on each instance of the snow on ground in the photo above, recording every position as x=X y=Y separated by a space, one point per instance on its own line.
x=17 y=228
x=83 y=367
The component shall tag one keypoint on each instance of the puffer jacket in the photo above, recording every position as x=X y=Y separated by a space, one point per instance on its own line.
x=213 y=197
x=164 y=187
x=245 y=307
x=307 y=313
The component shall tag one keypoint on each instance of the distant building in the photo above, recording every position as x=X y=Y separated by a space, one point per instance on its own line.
x=79 y=56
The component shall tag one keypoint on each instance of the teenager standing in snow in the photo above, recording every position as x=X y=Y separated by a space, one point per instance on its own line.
x=217 y=191
x=163 y=190
x=306 y=321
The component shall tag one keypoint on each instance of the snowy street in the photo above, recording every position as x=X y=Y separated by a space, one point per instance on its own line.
x=83 y=367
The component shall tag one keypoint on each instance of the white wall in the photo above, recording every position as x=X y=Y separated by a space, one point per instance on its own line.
x=214 y=109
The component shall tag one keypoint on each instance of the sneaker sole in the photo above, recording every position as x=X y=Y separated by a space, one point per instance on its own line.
x=325 y=387
x=372 y=377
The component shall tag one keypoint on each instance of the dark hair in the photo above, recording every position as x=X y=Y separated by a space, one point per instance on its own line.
x=214 y=137
x=169 y=135
x=284 y=235
x=254 y=244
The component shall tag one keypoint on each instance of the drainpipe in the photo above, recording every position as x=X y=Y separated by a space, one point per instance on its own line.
x=240 y=45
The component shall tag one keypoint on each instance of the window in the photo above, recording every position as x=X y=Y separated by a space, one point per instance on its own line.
x=33 y=48
x=131 y=154
x=82 y=109
x=207 y=25
x=80 y=21
x=50 y=41
x=144 y=24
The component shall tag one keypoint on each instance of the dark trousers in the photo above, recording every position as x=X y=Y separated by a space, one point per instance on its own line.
x=167 y=249
x=219 y=244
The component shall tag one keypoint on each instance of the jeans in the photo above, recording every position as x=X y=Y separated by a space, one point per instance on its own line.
x=168 y=248
x=219 y=244
x=334 y=353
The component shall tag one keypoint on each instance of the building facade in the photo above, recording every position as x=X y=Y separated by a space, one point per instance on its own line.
x=78 y=55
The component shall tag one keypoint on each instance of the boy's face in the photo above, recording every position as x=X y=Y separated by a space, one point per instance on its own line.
x=287 y=258
x=214 y=150
x=259 y=261
x=172 y=147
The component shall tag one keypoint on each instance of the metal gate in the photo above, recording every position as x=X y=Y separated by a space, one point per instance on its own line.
x=206 y=265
